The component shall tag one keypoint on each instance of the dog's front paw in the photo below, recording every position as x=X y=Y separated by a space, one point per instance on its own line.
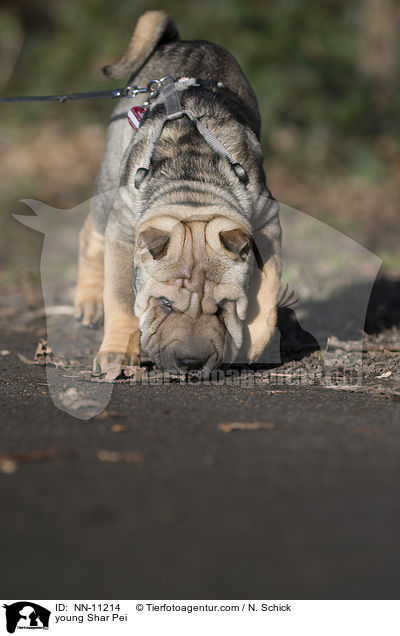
x=89 y=310
x=113 y=365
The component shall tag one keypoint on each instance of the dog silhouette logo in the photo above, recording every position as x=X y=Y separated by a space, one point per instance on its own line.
x=26 y=615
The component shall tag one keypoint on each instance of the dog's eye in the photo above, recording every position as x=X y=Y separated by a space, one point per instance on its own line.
x=165 y=304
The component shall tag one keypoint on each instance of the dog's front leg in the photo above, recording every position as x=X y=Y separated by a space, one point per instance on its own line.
x=120 y=346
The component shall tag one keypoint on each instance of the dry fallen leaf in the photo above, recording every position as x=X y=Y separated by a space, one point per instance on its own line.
x=9 y=462
x=25 y=359
x=43 y=355
x=117 y=457
x=116 y=371
x=105 y=414
x=42 y=352
x=386 y=374
x=36 y=455
x=8 y=466
x=365 y=430
x=228 y=427
x=118 y=428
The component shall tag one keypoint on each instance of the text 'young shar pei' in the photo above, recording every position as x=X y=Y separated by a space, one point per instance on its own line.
x=183 y=249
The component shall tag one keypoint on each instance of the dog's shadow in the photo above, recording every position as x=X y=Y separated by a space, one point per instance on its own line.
x=296 y=342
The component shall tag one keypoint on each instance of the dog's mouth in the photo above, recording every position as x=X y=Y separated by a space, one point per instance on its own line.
x=178 y=343
x=198 y=366
x=178 y=362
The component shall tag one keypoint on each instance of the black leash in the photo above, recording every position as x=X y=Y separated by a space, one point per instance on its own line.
x=127 y=91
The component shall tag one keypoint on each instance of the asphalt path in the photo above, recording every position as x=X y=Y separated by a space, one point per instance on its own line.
x=307 y=507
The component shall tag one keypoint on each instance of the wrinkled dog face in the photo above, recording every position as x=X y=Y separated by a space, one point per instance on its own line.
x=191 y=282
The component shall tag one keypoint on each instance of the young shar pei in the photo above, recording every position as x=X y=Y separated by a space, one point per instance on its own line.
x=183 y=247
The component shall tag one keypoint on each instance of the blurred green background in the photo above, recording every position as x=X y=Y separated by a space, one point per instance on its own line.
x=326 y=74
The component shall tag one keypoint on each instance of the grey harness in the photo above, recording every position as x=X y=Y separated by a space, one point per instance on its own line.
x=168 y=90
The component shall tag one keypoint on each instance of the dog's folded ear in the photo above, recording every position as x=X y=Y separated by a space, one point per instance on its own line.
x=153 y=28
x=156 y=241
x=236 y=242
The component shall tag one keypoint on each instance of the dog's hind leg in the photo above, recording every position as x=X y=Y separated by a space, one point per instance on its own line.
x=89 y=289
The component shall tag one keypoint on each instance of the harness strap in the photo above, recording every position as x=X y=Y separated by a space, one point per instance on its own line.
x=171 y=98
x=174 y=111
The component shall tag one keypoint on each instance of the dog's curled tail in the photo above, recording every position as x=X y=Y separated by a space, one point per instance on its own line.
x=153 y=28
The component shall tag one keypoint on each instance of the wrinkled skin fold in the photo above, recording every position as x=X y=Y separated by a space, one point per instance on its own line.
x=191 y=284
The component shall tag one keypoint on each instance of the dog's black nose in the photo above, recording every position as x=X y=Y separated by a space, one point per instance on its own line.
x=191 y=364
